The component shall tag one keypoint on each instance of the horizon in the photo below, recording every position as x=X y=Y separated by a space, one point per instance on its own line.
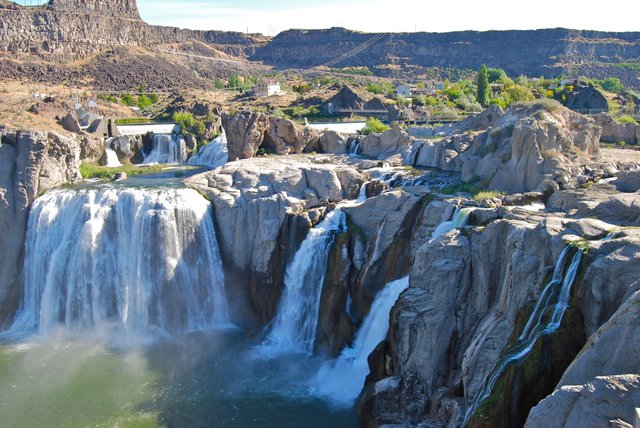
x=375 y=16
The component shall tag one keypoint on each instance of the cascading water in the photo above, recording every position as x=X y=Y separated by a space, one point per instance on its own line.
x=166 y=149
x=140 y=261
x=342 y=380
x=535 y=328
x=458 y=221
x=110 y=155
x=294 y=328
x=213 y=155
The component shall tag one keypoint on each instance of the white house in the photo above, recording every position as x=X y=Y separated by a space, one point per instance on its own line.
x=267 y=88
x=405 y=90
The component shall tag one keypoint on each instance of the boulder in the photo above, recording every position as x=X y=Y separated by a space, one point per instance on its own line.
x=614 y=132
x=70 y=123
x=333 y=142
x=584 y=96
x=628 y=181
x=599 y=201
x=245 y=133
x=128 y=147
x=391 y=142
x=284 y=137
x=609 y=401
x=30 y=163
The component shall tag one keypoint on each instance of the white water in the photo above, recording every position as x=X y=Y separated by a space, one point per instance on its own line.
x=294 y=328
x=110 y=154
x=132 y=261
x=213 y=155
x=458 y=221
x=343 y=379
x=535 y=328
x=166 y=149
x=342 y=128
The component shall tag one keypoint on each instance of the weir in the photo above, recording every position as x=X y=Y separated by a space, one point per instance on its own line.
x=558 y=290
x=140 y=261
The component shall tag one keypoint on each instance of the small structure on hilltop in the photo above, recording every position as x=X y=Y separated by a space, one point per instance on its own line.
x=267 y=88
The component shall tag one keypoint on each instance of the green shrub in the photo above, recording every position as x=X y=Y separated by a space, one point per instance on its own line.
x=374 y=126
x=626 y=119
x=612 y=84
x=144 y=101
x=128 y=100
x=380 y=88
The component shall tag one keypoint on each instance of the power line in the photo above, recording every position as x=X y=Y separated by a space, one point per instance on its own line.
x=358 y=49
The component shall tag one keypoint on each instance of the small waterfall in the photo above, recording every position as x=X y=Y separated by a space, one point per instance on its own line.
x=343 y=379
x=139 y=261
x=294 y=327
x=458 y=221
x=166 y=149
x=355 y=147
x=558 y=288
x=110 y=155
x=213 y=155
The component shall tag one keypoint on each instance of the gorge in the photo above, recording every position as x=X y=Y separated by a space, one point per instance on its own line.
x=307 y=283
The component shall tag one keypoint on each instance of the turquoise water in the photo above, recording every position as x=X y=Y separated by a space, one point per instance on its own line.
x=199 y=380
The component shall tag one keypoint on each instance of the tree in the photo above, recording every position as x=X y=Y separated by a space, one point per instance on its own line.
x=483 y=86
x=495 y=74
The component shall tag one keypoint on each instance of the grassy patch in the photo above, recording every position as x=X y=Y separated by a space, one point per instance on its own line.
x=470 y=188
x=626 y=119
x=135 y=121
x=93 y=170
x=487 y=194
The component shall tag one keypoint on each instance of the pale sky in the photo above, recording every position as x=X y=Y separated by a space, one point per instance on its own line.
x=271 y=17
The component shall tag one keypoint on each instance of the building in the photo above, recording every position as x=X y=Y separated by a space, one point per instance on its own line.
x=429 y=87
x=405 y=90
x=267 y=88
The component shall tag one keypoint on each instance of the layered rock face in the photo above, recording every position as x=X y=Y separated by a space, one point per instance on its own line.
x=119 y=8
x=529 y=148
x=77 y=28
x=518 y=52
x=30 y=163
x=614 y=132
x=253 y=199
x=470 y=293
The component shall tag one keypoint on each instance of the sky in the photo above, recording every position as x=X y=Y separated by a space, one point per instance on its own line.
x=273 y=16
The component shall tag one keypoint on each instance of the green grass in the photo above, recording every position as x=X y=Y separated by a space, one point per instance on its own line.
x=93 y=170
x=135 y=121
x=487 y=194
x=626 y=119
x=470 y=188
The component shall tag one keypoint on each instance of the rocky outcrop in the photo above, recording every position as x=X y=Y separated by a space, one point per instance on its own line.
x=527 y=149
x=30 y=163
x=333 y=142
x=614 y=132
x=583 y=96
x=252 y=198
x=605 y=401
x=128 y=148
x=391 y=142
x=285 y=137
x=470 y=295
x=245 y=133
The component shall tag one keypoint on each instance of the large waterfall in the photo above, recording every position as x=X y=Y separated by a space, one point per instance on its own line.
x=558 y=289
x=137 y=260
x=213 y=155
x=343 y=379
x=294 y=328
x=166 y=149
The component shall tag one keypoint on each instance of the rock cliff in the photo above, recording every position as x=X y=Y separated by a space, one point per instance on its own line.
x=30 y=164
x=519 y=52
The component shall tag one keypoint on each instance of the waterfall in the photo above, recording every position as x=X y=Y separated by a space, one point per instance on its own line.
x=140 y=261
x=355 y=146
x=213 y=155
x=458 y=221
x=558 y=288
x=343 y=379
x=110 y=155
x=166 y=149
x=294 y=327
